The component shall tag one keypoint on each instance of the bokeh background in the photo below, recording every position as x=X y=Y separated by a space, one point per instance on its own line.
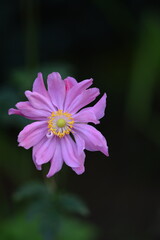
x=117 y=43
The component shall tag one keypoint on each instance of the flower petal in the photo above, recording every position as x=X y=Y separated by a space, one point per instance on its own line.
x=56 y=89
x=83 y=99
x=32 y=134
x=34 y=151
x=46 y=151
x=75 y=91
x=26 y=110
x=69 y=83
x=39 y=87
x=79 y=150
x=39 y=102
x=68 y=153
x=92 y=114
x=12 y=111
x=94 y=140
x=80 y=145
x=86 y=115
x=79 y=170
x=99 y=107
x=56 y=161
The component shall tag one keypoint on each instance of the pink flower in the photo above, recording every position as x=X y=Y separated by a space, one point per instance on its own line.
x=61 y=131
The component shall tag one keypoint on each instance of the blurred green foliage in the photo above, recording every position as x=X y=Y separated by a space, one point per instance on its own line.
x=144 y=78
x=118 y=44
x=47 y=214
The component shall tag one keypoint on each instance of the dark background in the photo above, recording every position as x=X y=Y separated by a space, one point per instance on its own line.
x=117 y=43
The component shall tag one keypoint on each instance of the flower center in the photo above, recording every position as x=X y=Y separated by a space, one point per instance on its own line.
x=60 y=123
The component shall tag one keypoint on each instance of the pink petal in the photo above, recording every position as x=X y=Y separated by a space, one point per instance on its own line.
x=56 y=89
x=86 y=115
x=32 y=134
x=79 y=151
x=26 y=110
x=99 y=107
x=56 y=161
x=69 y=83
x=46 y=151
x=92 y=114
x=68 y=153
x=39 y=102
x=34 y=151
x=83 y=99
x=79 y=170
x=94 y=140
x=75 y=91
x=80 y=145
x=12 y=111
x=39 y=87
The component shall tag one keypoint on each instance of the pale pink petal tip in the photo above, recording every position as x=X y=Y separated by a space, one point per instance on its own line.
x=56 y=161
x=99 y=107
x=12 y=111
x=79 y=170
x=56 y=89
x=105 y=151
x=69 y=83
x=39 y=167
x=38 y=85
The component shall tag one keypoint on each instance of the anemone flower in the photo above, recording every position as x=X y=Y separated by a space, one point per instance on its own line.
x=61 y=132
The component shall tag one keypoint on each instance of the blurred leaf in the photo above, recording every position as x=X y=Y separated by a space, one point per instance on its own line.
x=13 y=158
x=145 y=69
x=50 y=224
x=8 y=98
x=74 y=229
x=23 y=79
x=153 y=131
x=51 y=209
x=18 y=228
x=144 y=78
x=73 y=204
x=30 y=190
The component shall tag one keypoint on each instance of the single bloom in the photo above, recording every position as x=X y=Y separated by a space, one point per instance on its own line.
x=60 y=132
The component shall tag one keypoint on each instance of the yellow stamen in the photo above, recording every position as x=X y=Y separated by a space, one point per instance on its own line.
x=60 y=123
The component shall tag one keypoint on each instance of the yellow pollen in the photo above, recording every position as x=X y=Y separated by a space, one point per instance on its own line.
x=60 y=123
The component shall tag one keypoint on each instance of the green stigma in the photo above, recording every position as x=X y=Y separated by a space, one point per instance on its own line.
x=61 y=123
